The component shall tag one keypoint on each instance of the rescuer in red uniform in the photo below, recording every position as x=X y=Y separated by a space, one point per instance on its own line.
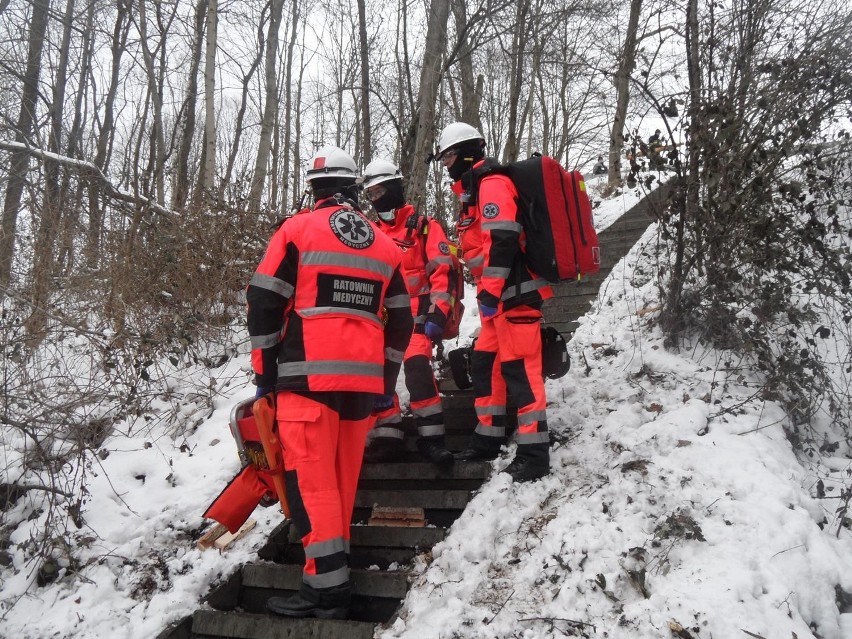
x=428 y=270
x=507 y=353
x=315 y=307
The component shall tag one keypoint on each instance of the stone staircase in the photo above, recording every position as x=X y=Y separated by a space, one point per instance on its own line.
x=380 y=554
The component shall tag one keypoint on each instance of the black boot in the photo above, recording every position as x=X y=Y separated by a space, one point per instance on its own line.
x=384 y=449
x=525 y=469
x=433 y=449
x=476 y=454
x=299 y=606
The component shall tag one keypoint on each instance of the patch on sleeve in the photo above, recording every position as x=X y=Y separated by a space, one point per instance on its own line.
x=444 y=248
x=490 y=211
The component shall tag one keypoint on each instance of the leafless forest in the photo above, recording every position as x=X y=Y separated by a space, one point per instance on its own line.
x=148 y=147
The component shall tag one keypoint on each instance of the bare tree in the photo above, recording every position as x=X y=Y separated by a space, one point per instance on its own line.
x=208 y=172
x=366 y=128
x=154 y=63
x=106 y=132
x=626 y=64
x=289 y=124
x=76 y=145
x=270 y=108
x=45 y=244
x=470 y=85
x=20 y=160
x=180 y=189
x=430 y=76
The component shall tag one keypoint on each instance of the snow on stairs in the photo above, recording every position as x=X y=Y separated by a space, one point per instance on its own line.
x=379 y=554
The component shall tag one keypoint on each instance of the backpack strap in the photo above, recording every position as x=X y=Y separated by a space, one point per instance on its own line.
x=471 y=180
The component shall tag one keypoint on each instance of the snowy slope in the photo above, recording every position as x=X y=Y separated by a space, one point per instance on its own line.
x=664 y=516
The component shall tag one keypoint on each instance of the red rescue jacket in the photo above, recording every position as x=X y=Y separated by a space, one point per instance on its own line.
x=493 y=241
x=328 y=309
x=426 y=264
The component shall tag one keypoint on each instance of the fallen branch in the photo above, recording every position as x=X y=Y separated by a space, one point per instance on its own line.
x=503 y=605
x=553 y=619
x=87 y=170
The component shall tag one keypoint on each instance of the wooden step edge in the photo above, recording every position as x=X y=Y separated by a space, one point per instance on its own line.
x=381 y=537
x=369 y=583
x=243 y=625
x=442 y=499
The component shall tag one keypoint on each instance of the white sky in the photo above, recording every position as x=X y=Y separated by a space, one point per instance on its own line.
x=524 y=560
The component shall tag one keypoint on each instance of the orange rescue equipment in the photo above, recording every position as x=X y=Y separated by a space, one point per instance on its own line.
x=264 y=415
x=262 y=476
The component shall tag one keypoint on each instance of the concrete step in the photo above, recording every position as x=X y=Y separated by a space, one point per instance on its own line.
x=241 y=625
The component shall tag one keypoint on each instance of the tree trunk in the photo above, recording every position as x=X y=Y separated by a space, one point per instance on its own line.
x=153 y=177
x=19 y=161
x=471 y=86
x=180 y=189
x=70 y=222
x=270 y=108
x=516 y=82
x=436 y=44
x=622 y=94
x=105 y=135
x=366 y=132
x=208 y=174
x=45 y=242
x=687 y=199
x=297 y=135
x=288 y=104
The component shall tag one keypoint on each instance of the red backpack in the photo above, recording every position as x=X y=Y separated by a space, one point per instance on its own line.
x=556 y=214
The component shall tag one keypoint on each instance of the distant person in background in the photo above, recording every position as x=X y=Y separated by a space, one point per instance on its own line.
x=427 y=268
x=655 y=145
x=319 y=342
x=600 y=167
x=655 y=140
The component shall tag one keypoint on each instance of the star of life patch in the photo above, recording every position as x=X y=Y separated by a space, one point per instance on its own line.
x=444 y=248
x=490 y=211
x=352 y=229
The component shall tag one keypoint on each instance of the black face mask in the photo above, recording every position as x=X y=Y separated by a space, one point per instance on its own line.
x=468 y=154
x=392 y=199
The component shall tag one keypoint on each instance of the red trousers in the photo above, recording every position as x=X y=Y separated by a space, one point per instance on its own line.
x=322 y=461
x=424 y=399
x=507 y=356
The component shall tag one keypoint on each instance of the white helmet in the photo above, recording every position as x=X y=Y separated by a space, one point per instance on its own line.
x=379 y=171
x=454 y=134
x=331 y=161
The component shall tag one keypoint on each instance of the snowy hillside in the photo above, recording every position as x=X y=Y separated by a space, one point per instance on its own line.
x=676 y=507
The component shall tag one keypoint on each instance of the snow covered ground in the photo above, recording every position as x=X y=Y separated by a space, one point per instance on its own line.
x=675 y=508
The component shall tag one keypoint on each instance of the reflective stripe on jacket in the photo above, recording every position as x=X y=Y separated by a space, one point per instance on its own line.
x=318 y=302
